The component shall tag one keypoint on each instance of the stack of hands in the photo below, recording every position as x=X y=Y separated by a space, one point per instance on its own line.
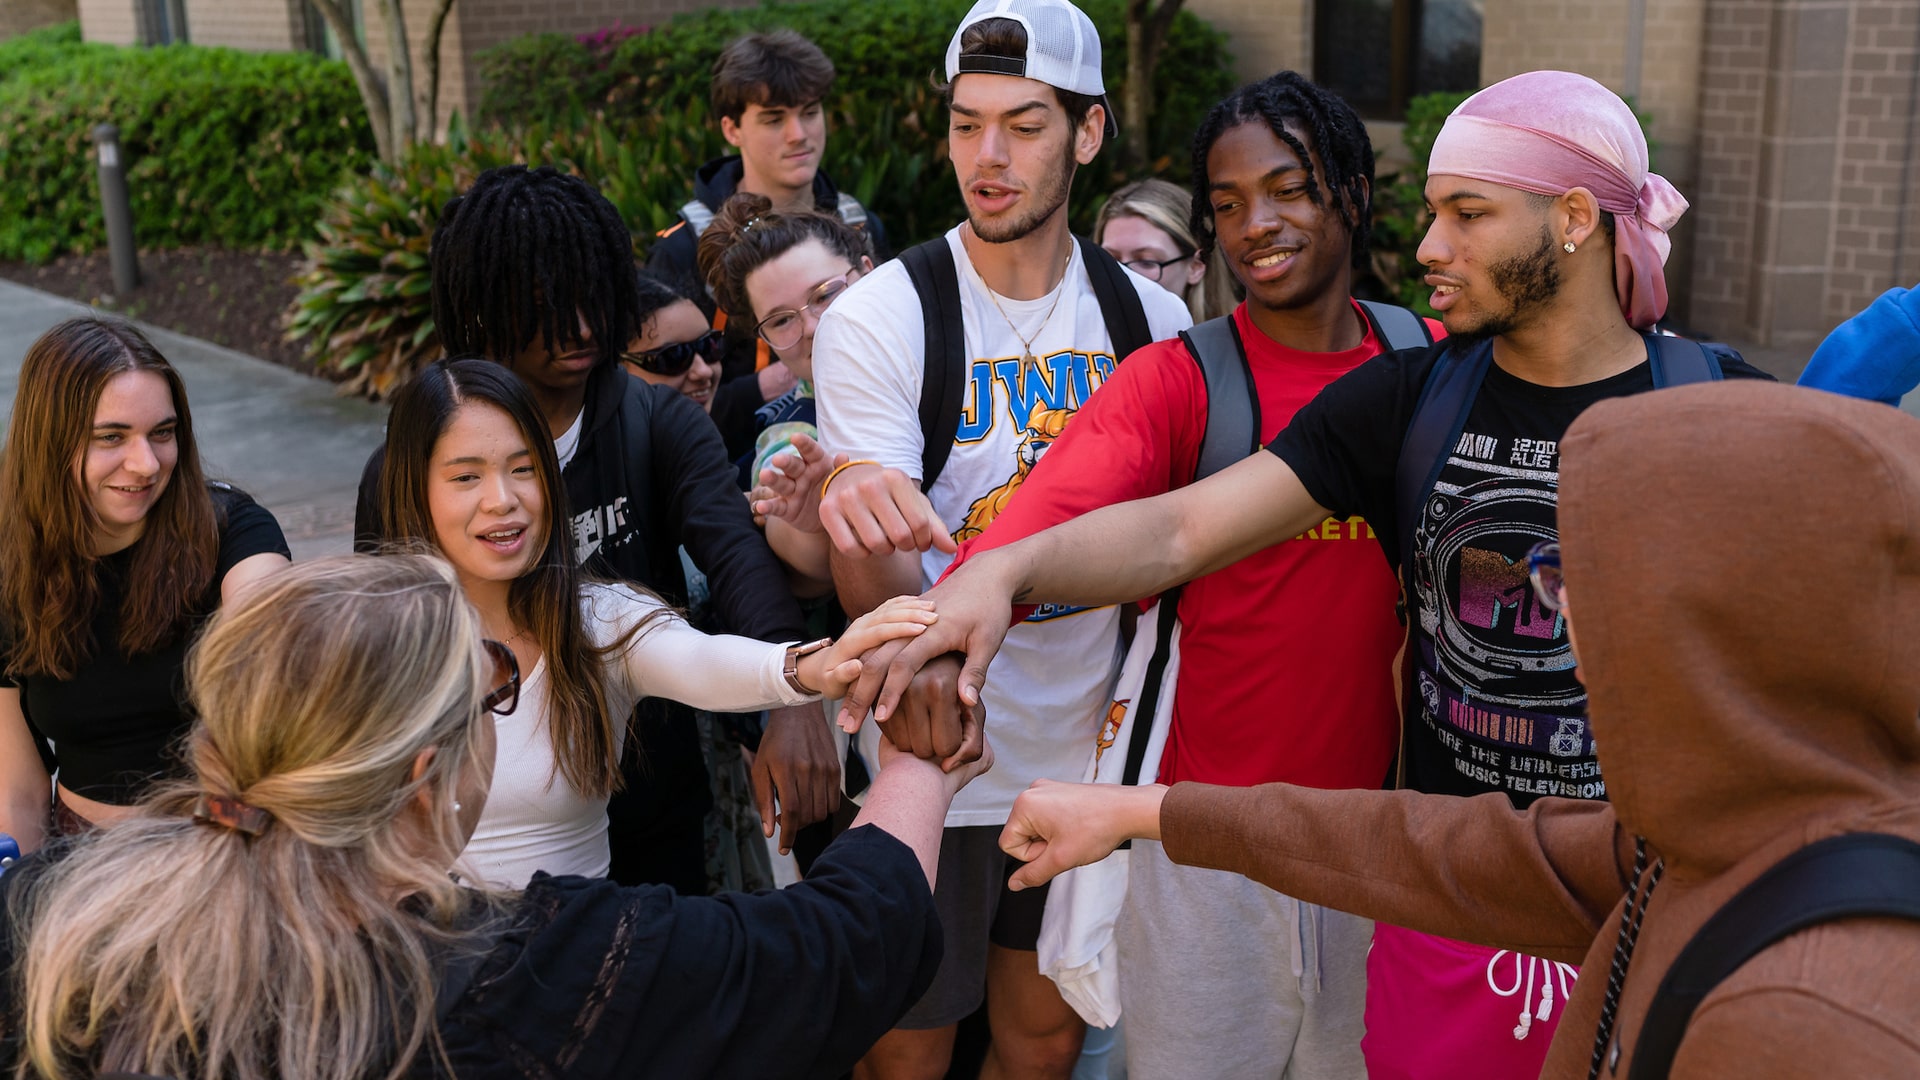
x=924 y=690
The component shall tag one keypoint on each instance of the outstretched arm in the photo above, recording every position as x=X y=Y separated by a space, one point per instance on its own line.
x=1109 y=556
x=1541 y=881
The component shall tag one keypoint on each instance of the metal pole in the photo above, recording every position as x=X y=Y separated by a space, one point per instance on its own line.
x=117 y=210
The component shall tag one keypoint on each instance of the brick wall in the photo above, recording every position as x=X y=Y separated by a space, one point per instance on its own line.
x=1263 y=35
x=1808 y=154
x=20 y=16
x=254 y=25
x=114 y=22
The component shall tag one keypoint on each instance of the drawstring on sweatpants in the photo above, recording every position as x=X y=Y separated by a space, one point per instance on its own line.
x=1305 y=917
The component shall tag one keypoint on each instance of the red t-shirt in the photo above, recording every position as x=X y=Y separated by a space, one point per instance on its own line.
x=1286 y=657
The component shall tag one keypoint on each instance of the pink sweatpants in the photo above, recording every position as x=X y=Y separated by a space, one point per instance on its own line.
x=1439 y=1009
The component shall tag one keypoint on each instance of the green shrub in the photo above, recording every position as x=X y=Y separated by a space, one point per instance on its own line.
x=222 y=147
x=887 y=143
x=38 y=49
x=1399 y=207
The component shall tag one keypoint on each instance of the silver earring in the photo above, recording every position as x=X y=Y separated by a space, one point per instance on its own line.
x=456 y=806
x=1567 y=247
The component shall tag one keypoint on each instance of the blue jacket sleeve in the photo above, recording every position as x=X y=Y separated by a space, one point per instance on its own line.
x=1875 y=355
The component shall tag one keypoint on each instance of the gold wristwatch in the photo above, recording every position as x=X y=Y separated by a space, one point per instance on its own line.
x=791 y=669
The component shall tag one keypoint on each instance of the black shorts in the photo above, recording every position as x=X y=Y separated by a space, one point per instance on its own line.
x=975 y=908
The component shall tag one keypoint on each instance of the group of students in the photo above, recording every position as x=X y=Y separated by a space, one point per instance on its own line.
x=446 y=807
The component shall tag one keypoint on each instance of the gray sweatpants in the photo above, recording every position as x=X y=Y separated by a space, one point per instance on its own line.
x=1223 y=977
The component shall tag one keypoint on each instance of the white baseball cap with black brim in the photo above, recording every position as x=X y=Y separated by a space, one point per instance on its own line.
x=1063 y=49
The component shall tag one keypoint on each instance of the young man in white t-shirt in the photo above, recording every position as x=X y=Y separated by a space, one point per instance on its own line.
x=1027 y=108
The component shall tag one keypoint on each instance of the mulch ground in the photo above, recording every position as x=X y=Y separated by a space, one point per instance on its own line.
x=233 y=298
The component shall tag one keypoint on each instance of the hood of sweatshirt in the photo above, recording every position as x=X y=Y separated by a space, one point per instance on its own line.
x=1743 y=579
x=716 y=181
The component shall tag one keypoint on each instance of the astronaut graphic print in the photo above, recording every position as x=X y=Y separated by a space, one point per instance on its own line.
x=1498 y=708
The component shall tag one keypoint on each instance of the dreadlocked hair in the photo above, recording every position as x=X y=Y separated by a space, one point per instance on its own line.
x=748 y=233
x=531 y=253
x=1332 y=127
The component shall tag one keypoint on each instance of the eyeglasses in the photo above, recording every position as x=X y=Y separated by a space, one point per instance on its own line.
x=504 y=698
x=784 y=328
x=677 y=358
x=1152 y=269
x=1543 y=569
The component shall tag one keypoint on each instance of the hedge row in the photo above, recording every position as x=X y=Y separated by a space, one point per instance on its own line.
x=887 y=123
x=222 y=147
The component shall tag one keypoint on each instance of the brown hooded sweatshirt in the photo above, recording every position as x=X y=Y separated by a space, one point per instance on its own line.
x=1743 y=573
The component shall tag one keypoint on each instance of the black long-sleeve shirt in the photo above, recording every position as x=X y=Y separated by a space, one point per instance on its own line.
x=588 y=980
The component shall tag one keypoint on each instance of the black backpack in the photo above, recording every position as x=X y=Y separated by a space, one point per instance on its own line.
x=1859 y=875
x=935 y=277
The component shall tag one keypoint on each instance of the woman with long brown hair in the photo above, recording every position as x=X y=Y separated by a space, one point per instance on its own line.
x=114 y=548
x=470 y=472
x=285 y=911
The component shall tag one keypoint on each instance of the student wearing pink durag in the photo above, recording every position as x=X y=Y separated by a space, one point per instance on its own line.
x=1545 y=256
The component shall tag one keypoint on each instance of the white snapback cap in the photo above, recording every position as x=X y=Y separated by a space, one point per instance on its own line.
x=1063 y=49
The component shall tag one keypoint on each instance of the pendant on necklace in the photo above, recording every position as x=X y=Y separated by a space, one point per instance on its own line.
x=1029 y=362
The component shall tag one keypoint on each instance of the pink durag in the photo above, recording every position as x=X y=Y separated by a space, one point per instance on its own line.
x=1551 y=131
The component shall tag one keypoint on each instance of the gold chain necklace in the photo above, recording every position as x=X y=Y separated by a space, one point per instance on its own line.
x=1028 y=361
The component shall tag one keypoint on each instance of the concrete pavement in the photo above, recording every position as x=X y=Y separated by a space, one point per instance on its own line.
x=283 y=437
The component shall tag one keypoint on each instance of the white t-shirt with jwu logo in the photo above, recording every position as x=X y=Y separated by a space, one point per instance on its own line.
x=1048 y=689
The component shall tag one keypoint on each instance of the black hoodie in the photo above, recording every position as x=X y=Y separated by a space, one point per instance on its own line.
x=714 y=183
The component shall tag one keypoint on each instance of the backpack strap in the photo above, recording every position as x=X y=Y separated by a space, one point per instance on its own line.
x=1233 y=402
x=1151 y=686
x=850 y=210
x=1396 y=327
x=1438 y=418
x=1858 y=875
x=937 y=281
x=697 y=215
x=1120 y=305
x=1677 y=361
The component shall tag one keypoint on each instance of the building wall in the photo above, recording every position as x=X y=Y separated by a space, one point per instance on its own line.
x=112 y=22
x=1656 y=64
x=254 y=25
x=1263 y=35
x=1809 y=151
x=20 y=16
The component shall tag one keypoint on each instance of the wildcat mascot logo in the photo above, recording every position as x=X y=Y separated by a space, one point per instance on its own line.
x=1109 y=731
x=1043 y=426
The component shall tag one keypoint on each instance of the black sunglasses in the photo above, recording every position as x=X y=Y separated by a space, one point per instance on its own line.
x=677 y=358
x=504 y=698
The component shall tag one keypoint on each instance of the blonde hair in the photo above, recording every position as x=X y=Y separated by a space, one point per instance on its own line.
x=1167 y=206
x=163 y=945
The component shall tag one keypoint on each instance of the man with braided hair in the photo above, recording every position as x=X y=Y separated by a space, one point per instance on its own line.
x=1545 y=256
x=533 y=268
x=1218 y=973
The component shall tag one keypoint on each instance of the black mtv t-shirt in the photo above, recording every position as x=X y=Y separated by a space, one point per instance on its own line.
x=1496 y=707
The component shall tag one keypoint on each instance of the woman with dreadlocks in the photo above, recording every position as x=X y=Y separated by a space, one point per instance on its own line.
x=533 y=269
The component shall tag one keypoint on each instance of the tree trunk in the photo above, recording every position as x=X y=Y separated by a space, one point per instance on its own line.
x=399 y=78
x=1147 y=26
x=430 y=52
x=372 y=93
